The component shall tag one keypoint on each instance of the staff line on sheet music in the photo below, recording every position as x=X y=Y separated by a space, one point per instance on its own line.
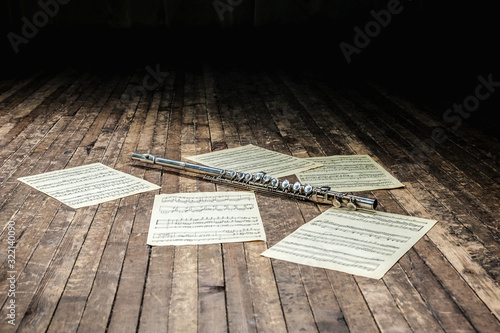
x=400 y=223
x=361 y=231
x=205 y=219
x=174 y=224
x=195 y=235
x=94 y=184
x=200 y=208
x=205 y=226
x=290 y=248
x=205 y=199
x=345 y=167
x=349 y=242
x=117 y=191
x=69 y=173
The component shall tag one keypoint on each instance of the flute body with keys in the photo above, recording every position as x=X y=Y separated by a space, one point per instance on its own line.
x=264 y=183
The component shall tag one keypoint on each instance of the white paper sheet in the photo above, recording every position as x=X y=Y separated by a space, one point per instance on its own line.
x=88 y=184
x=347 y=173
x=205 y=218
x=365 y=244
x=252 y=159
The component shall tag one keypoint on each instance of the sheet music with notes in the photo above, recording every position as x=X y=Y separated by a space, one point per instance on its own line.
x=354 y=242
x=348 y=173
x=253 y=159
x=88 y=184
x=205 y=218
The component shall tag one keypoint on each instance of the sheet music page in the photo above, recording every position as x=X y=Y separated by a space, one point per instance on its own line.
x=205 y=218
x=354 y=242
x=253 y=159
x=348 y=173
x=88 y=184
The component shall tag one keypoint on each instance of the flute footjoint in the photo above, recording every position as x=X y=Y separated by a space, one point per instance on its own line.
x=265 y=183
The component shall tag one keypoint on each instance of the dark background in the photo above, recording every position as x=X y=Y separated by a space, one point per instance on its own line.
x=432 y=51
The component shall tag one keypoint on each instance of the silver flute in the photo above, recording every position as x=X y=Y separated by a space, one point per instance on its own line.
x=264 y=183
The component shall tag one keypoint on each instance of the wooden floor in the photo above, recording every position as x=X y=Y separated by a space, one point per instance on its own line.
x=90 y=270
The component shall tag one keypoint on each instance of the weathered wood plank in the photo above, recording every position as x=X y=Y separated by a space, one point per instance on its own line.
x=30 y=278
x=356 y=312
x=20 y=114
x=13 y=87
x=21 y=146
x=240 y=310
x=159 y=283
x=266 y=302
x=211 y=287
x=128 y=299
x=98 y=309
x=158 y=290
x=72 y=299
x=217 y=139
x=260 y=306
x=11 y=102
x=385 y=310
x=184 y=298
x=141 y=227
x=410 y=302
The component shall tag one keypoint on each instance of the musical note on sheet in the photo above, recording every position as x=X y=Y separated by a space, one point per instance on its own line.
x=88 y=184
x=253 y=159
x=355 y=242
x=205 y=218
x=347 y=173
